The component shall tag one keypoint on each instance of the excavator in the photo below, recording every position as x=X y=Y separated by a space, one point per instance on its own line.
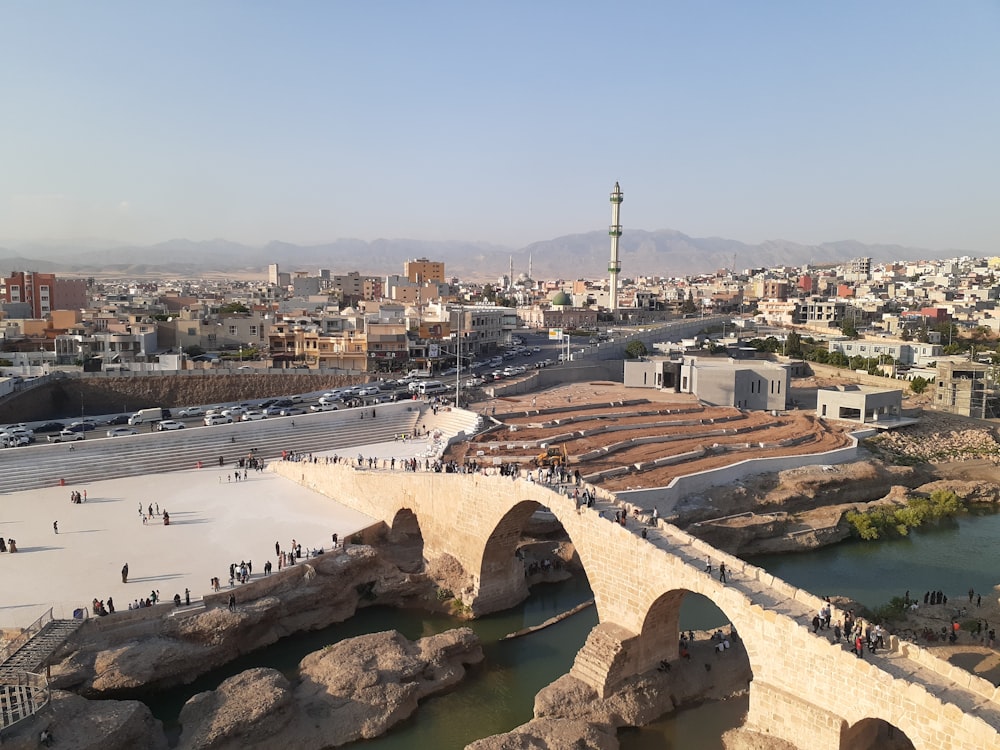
x=555 y=456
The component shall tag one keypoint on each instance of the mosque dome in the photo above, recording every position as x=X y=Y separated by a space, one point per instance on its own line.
x=561 y=300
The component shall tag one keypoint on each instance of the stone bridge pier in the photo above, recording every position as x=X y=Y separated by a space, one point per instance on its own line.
x=805 y=690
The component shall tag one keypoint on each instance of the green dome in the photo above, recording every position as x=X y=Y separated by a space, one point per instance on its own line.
x=562 y=300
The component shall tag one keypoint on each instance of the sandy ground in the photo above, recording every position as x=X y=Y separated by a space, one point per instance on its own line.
x=760 y=427
x=213 y=522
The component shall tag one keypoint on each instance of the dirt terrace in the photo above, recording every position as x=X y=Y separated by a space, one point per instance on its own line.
x=699 y=437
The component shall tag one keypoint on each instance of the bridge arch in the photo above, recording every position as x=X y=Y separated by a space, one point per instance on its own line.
x=805 y=689
x=874 y=734
x=659 y=640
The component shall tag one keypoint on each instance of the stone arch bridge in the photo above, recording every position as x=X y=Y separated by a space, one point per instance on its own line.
x=805 y=690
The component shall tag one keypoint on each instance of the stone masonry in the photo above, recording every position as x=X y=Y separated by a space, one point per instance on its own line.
x=805 y=690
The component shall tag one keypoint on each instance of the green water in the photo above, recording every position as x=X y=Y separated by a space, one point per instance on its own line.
x=499 y=694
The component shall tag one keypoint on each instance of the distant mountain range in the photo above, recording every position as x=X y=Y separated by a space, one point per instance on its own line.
x=664 y=253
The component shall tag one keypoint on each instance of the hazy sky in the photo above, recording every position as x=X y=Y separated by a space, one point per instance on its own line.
x=506 y=122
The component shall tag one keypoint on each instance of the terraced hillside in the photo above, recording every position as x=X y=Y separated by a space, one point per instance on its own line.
x=632 y=441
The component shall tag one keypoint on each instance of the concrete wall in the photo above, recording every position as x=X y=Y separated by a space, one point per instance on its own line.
x=667 y=497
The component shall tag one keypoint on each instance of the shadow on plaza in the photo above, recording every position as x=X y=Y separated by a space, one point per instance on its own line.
x=37 y=549
x=83 y=531
x=164 y=577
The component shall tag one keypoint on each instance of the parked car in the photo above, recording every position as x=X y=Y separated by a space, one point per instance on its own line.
x=191 y=411
x=54 y=426
x=213 y=419
x=291 y=411
x=81 y=426
x=323 y=406
x=22 y=433
x=169 y=424
x=118 y=419
x=65 y=436
x=234 y=411
x=122 y=431
x=253 y=416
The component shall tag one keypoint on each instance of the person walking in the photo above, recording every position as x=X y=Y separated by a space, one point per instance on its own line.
x=125 y=573
x=722 y=572
x=55 y=526
x=232 y=602
x=187 y=596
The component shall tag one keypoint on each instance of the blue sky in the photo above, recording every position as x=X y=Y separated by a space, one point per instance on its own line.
x=502 y=122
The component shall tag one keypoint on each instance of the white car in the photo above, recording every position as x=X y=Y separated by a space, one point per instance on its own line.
x=234 y=411
x=191 y=411
x=328 y=400
x=213 y=419
x=253 y=416
x=169 y=424
x=65 y=436
x=323 y=407
x=369 y=391
x=122 y=431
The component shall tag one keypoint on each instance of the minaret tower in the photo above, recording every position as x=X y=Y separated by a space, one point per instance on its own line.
x=614 y=266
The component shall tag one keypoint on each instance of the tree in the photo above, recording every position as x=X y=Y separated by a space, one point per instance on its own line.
x=919 y=385
x=793 y=344
x=635 y=349
x=848 y=328
x=689 y=307
x=194 y=350
x=233 y=307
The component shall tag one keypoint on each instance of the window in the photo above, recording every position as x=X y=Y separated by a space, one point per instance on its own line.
x=253 y=330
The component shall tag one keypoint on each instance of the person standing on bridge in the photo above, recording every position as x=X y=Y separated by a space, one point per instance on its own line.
x=722 y=572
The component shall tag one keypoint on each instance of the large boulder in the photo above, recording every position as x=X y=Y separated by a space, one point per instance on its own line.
x=79 y=724
x=251 y=708
x=354 y=689
x=551 y=734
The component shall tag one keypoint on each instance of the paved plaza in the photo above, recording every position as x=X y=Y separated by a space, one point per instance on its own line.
x=214 y=521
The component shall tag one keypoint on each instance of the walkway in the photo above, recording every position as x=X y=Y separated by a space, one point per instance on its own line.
x=945 y=686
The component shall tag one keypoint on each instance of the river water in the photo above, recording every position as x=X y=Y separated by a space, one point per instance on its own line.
x=499 y=694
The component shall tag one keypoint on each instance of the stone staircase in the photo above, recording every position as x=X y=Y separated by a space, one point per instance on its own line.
x=93 y=459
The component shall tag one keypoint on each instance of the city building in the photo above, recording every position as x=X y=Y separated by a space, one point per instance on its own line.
x=856 y=403
x=422 y=270
x=44 y=292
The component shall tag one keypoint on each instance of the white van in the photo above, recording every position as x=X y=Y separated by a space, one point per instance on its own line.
x=431 y=387
x=213 y=419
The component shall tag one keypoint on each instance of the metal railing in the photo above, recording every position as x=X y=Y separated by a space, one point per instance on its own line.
x=21 y=696
x=26 y=635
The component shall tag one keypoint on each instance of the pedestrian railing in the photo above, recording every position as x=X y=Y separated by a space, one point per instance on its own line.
x=21 y=696
x=26 y=635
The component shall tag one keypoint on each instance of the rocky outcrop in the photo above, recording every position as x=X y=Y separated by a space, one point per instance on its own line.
x=128 y=655
x=355 y=689
x=569 y=709
x=551 y=734
x=79 y=724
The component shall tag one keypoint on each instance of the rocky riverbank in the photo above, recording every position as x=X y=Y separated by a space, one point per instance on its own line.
x=569 y=715
x=131 y=654
x=355 y=689
x=806 y=508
